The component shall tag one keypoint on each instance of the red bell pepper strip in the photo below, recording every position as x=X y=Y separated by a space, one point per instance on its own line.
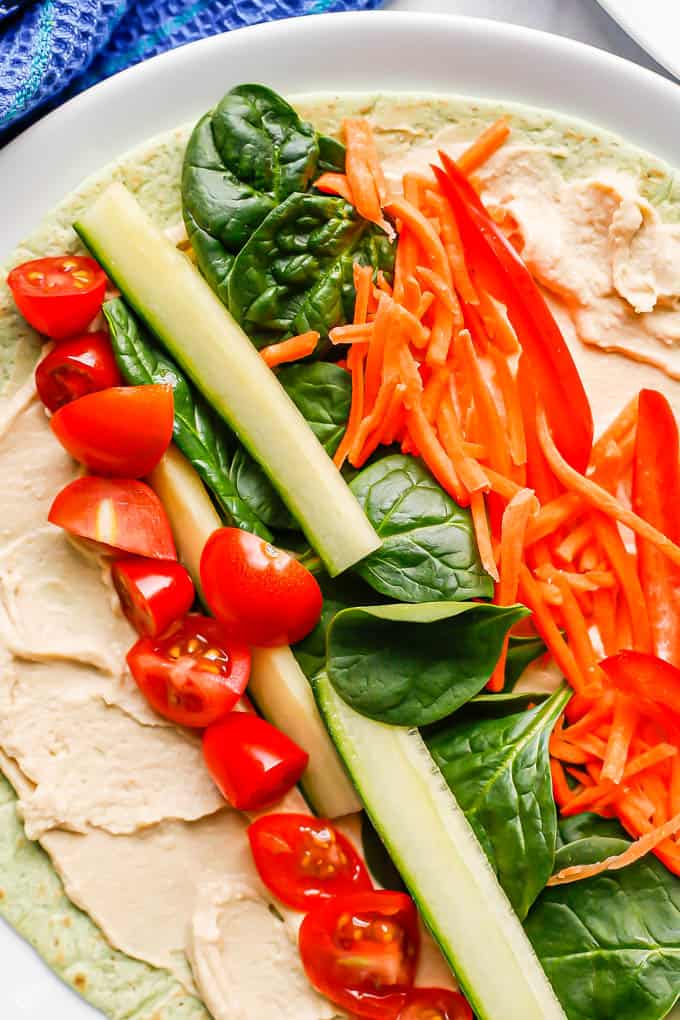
x=646 y=676
x=656 y=498
x=501 y=271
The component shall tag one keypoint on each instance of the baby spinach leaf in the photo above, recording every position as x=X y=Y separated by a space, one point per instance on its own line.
x=338 y=593
x=587 y=824
x=495 y=706
x=242 y=159
x=242 y=490
x=377 y=858
x=323 y=394
x=295 y=272
x=331 y=155
x=428 y=550
x=522 y=651
x=499 y=770
x=411 y=665
x=610 y=944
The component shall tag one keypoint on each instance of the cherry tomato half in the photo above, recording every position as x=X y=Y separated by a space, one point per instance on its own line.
x=262 y=592
x=118 y=513
x=193 y=674
x=361 y=951
x=302 y=859
x=435 y=1004
x=58 y=296
x=75 y=368
x=153 y=593
x=252 y=762
x=123 y=431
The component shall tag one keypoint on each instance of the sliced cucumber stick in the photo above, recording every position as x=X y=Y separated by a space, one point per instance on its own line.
x=180 y=308
x=439 y=858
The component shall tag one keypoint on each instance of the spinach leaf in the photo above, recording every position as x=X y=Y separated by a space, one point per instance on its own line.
x=323 y=394
x=522 y=651
x=240 y=487
x=242 y=159
x=377 y=858
x=428 y=550
x=610 y=944
x=499 y=770
x=412 y=665
x=588 y=824
x=295 y=272
x=338 y=593
x=331 y=155
x=494 y=706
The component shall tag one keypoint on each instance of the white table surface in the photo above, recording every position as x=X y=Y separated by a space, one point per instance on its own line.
x=580 y=19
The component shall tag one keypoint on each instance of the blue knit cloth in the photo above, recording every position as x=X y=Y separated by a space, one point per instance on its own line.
x=51 y=49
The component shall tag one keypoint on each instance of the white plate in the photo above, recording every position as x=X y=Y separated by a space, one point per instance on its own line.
x=445 y=54
x=654 y=24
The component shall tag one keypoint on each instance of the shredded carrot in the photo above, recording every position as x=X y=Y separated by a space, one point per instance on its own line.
x=497 y=325
x=623 y=565
x=364 y=174
x=424 y=305
x=434 y=454
x=442 y=290
x=480 y=522
x=577 y=629
x=385 y=428
x=359 y=332
x=371 y=421
x=561 y=787
x=424 y=233
x=335 y=184
x=543 y=619
x=484 y=147
x=293 y=349
x=575 y=542
x=505 y=487
x=356 y=361
x=376 y=350
x=513 y=408
x=493 y=432
x=620 y=737
x=441 y=335
x=434 y=392
x=471 y=474
x=599 y=498
x=363 y=278
x=513 y=529
x=567 y=752
x=633 y=853
x=615 y=432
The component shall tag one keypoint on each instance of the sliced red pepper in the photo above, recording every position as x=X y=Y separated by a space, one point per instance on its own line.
x=645 y=676
x=656 y=498
x=504 y=275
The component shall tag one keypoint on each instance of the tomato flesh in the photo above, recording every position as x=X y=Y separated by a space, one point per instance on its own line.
x=361 y=951
x=153 y=593
x=252 y=762
x=193 y=674
x=75 y=368
x=58 y=296
x=435 y=1004
x=122 y=431
x=118 y=514
x=262 y=592
x=302 y=859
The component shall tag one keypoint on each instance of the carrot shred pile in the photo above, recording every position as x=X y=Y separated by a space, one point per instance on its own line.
x=437 y=368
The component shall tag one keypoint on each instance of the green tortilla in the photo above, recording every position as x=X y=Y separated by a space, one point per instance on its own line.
x=32 y=898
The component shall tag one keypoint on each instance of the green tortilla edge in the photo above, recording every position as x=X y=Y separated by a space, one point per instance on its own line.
x=32 y=897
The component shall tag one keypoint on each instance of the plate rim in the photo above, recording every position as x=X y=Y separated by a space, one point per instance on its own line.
x=640 y=36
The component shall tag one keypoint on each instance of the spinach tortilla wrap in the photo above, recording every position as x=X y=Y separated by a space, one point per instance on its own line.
x=115 y=882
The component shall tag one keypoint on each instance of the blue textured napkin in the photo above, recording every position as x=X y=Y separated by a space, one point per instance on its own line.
x=51 y=49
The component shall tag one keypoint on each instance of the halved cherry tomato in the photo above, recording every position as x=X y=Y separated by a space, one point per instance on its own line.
x=435 y=1004
x=58 y=296
x=262 y=592
x=117 y=513
x=123 y=431
x=153 y=593
x=361 y=951
x=302 y=859
x=252 y=762
x=193 y=674
x=75 y=368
